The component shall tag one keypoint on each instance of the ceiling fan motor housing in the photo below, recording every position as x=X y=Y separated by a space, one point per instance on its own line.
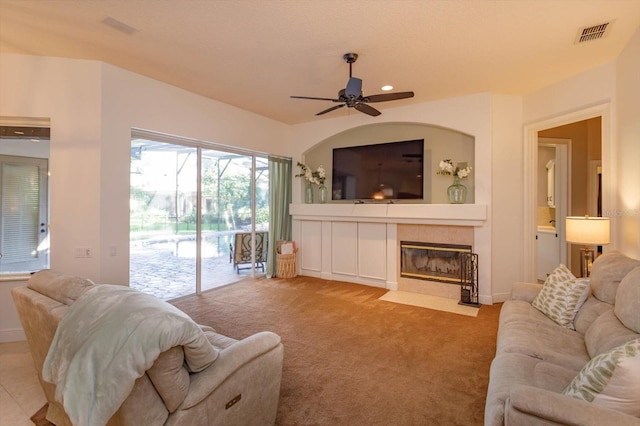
x=350 y=57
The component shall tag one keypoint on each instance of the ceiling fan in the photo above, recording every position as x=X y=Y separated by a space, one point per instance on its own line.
x=352 y=97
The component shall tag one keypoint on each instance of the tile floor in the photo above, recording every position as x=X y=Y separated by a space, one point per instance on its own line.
x=156 y=272
x=20 y=393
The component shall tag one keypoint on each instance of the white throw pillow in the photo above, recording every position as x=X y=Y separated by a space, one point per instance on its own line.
x=611 y=380
x=561 y=296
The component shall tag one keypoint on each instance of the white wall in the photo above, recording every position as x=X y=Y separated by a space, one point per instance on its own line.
x=92 y=107
x=628 y=149
x=133 y=101
x=506 y=210
x=589 y=88
x=68 y=92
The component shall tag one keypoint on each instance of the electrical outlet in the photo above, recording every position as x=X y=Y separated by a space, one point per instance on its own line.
x=113 y=251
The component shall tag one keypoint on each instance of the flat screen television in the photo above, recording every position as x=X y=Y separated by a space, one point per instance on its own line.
x=386 y=171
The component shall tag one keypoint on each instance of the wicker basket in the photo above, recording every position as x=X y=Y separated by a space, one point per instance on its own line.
x=286 y=265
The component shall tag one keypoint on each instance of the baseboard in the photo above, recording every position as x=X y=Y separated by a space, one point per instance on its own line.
x=371 y=282
x=501 y=297
x=392 y=285
x=13 y=335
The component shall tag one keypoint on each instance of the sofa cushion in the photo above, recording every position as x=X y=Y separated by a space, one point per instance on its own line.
x=590 y=310
x=524 y=330
x=611 y=379
x=628 y=300
x=63 y=288
x=511 y=369
x=606 y=273
x=561 y=296
x=606 y=333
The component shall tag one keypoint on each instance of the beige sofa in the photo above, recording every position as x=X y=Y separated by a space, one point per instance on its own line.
x=536 y=359
x=240 y=387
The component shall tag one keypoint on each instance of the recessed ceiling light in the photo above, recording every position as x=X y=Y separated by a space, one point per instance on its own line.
x=387 y=88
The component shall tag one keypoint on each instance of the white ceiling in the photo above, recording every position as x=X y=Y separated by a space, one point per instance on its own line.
x=254 y=54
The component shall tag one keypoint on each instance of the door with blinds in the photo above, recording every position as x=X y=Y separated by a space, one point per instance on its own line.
x=24 y=243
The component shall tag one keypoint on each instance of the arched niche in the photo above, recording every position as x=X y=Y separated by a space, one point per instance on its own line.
x=439 y=144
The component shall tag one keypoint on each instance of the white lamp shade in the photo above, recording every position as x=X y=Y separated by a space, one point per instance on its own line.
x=587 y=230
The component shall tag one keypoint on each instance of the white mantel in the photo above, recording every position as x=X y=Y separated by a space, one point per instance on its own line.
x=430 y=214
x=359 y=242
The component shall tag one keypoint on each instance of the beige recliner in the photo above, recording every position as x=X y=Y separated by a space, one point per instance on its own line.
x=241 y=387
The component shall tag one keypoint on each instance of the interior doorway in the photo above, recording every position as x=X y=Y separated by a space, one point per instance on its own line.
x=580 y=178
x=553 y=203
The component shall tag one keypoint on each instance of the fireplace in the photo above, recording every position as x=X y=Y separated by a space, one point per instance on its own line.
x=432 y=261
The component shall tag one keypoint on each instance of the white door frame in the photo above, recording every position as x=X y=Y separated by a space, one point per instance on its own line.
x=530 y=175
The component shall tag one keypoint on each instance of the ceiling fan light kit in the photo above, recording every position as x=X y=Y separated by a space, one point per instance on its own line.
x=351 y=96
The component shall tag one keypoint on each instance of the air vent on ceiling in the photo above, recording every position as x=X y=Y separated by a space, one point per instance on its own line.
x=119 y=25
x=593 y=32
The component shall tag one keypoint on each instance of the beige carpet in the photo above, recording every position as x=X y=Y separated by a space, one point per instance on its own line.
x=352 y=359
x=429 y=302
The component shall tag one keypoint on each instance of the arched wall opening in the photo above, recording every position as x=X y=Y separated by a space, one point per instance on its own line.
x=439 y=144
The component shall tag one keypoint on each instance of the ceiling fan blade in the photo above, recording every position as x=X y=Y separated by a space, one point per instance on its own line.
x=315 y=99
x=367 y=109
x=354 y=87
x=388 y=97
x=330 y=109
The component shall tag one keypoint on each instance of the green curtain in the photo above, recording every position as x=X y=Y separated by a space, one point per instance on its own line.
x=280 y=177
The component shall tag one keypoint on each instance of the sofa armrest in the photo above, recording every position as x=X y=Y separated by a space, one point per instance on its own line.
x=231 y=360
x=530 y=405
x=525 y=291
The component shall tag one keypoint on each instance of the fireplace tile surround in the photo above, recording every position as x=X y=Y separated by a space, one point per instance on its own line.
x=361 y=243
x=439 y=234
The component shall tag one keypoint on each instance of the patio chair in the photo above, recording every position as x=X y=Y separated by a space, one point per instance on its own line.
x=240 y=250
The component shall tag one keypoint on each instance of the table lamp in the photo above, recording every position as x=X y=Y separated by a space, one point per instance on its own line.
x=588 y=231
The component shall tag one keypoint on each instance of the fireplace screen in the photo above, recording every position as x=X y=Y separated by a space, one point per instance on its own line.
x=431 y=261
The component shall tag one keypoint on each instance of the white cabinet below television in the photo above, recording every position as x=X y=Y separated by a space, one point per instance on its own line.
x=346 y=250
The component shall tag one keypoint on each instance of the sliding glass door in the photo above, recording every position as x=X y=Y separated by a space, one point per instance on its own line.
x=190 y=204
x=228 y=217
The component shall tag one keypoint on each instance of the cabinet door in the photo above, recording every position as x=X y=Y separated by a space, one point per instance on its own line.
x=372 y=250
x=344 y=248
x=311 y=245
x=548 y=253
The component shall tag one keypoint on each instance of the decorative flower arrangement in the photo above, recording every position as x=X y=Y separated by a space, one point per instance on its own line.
x=317 y=178
x=447 y=168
